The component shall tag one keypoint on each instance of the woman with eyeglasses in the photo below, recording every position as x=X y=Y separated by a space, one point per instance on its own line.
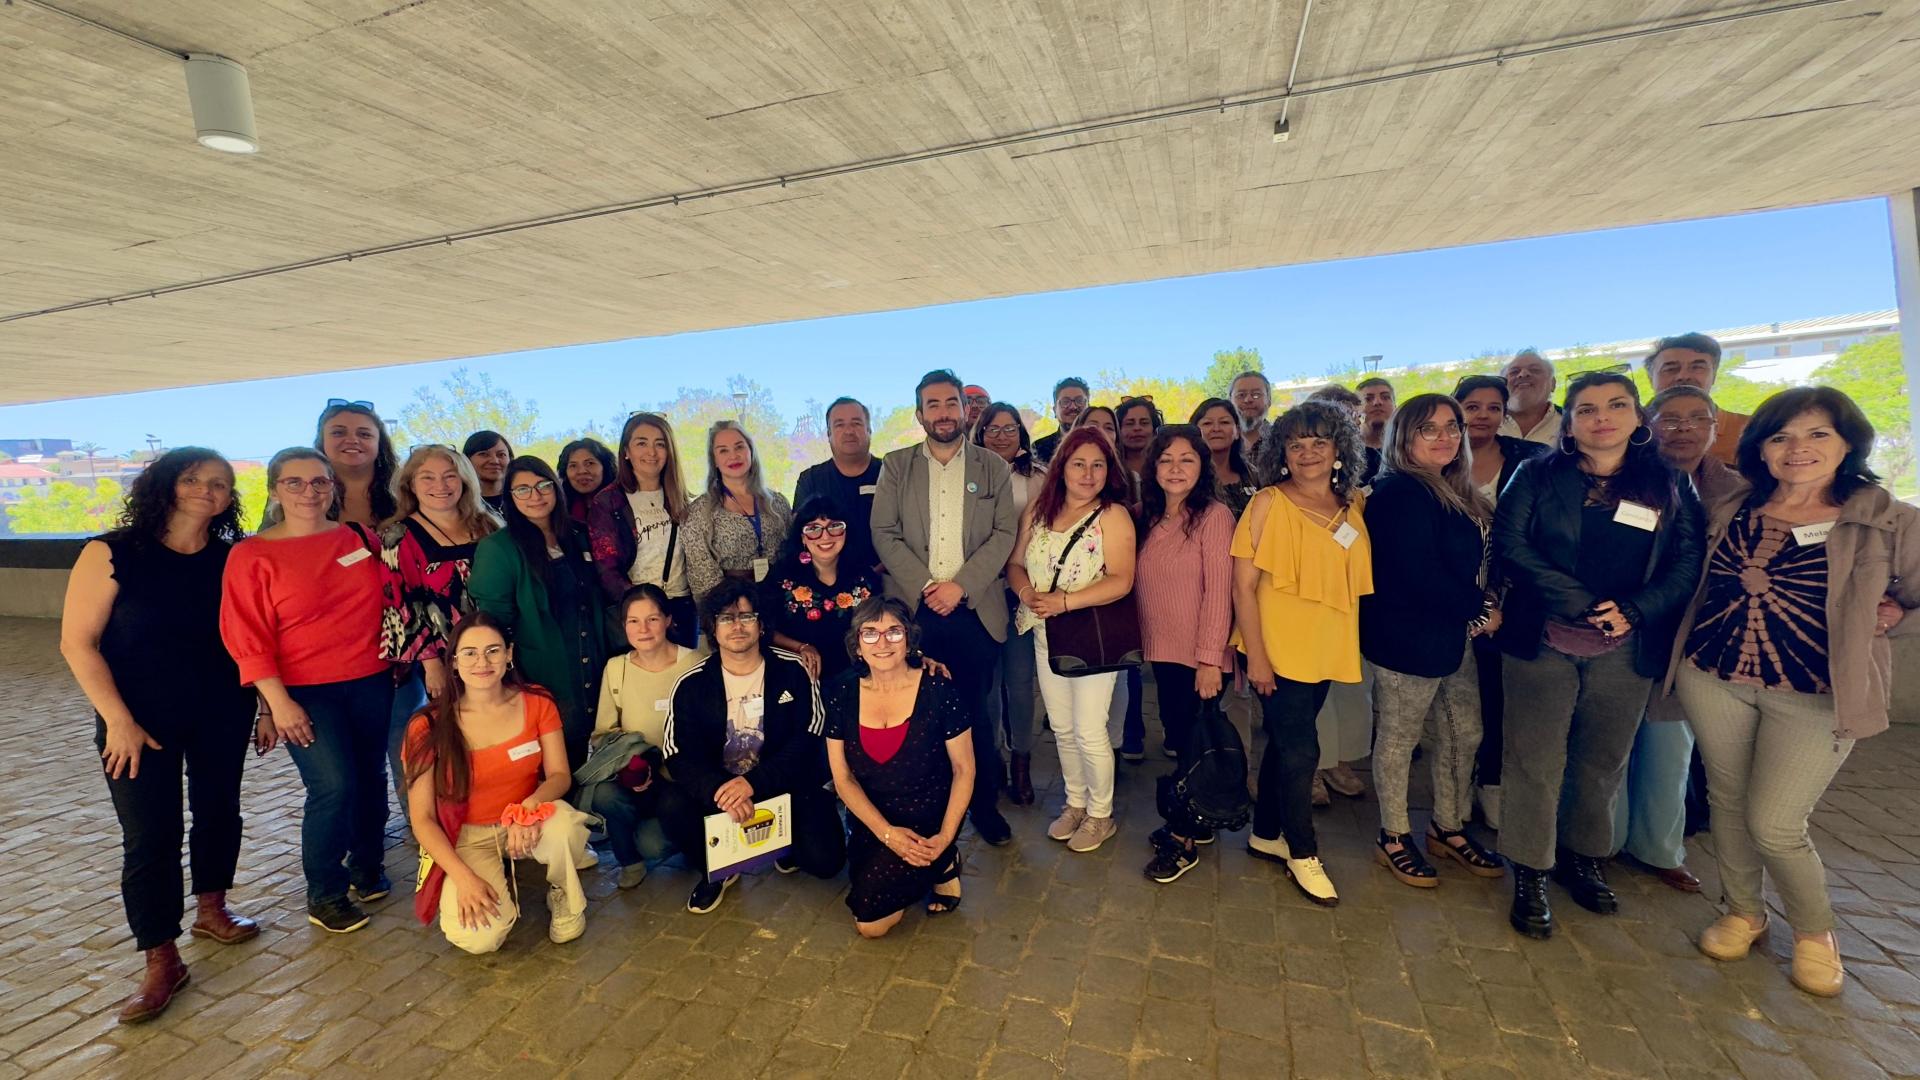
x=1010 y=702
x=1483 y=408
x=587 y=466
x=1429 y=601
x=537 y=577
x=635 y=524
x=141 y=633
x=899 y=745
x=489 y=451
x=301 y=609
x=812 y=592
x=1219 y=425
x=1600 y=543
x=736 y=527
x=428 y=549
x=356 y=443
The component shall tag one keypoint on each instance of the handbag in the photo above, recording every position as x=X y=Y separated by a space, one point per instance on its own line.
x=1092 y=640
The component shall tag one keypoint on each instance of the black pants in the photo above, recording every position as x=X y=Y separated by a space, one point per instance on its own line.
x=213 y=752
x=1284 y=807
x=1179 y=705
x=960 y=642
x=819 y=836
x=1493 y=711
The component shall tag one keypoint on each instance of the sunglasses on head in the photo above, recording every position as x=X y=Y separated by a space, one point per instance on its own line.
x=343 y=403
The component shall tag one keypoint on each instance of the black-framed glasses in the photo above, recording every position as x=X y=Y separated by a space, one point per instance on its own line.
x=525 y=491
x=742 y=618
x=343 y=403
x=814 y=530
x=894 y=635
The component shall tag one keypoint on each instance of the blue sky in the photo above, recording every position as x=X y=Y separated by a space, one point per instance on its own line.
x=1415 y=308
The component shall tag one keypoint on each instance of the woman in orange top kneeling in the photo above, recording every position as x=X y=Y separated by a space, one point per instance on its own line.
x=486 y=766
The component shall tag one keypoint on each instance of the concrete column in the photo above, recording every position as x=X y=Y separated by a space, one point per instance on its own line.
x=1904 y=218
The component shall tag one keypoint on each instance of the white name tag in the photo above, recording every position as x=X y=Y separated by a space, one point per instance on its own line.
x=760 y=567
x=586 y=556
x=524 y=750
x=662 y=704
x=1640 y=517
x=755 y=708
x=1346 y=534
x=1809 y=535
x=352 y=557
x=868 y=489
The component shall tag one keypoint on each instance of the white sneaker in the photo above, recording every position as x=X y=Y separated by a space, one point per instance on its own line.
x=632 y=876
x=586 y=859
x=564 y=926
x=1067 y=823
x=1093 y=832
x=1489 y=799
x=1271 y=850
x=1313 y=880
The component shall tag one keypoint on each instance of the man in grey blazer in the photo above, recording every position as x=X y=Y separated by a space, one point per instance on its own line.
x=944 y=525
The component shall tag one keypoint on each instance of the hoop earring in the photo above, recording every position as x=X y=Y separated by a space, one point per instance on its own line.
x=1574 y=451
x=1644 y=430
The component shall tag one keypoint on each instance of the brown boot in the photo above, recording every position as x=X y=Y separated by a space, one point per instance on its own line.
x=213 y=920
x=165 y=975
x=1021 y=785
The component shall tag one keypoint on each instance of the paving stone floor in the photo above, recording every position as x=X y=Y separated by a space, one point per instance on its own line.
x=1057 y=964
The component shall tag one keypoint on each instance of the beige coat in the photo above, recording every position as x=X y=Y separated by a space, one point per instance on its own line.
x=1873 y=551
x=901 y=529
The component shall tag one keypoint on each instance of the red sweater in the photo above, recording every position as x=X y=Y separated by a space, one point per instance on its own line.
x=304 y=609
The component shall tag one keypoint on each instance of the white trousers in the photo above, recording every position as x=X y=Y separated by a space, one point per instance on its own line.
x=483 y=847
x=1078 y=711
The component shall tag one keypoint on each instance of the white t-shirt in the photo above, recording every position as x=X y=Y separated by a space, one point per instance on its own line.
x=746 y=719
x=651 y=527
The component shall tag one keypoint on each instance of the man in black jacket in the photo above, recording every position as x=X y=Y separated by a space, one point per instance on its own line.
x=745 y=725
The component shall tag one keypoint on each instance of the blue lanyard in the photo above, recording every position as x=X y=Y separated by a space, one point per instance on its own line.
x=759 y=541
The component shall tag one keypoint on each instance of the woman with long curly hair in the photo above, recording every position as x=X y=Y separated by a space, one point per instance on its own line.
x=141 y=633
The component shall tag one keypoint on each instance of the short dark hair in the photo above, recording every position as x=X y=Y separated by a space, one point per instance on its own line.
x=1692 y=340
x=1777 y=411
x=1373 y=381
x=839 y=401
x=870 y=610
x=1129 y=404
x=1071 y=382
x=935 y=378
x=1660 y=399
x=484 y=440
x=724 y=596
x=1470 y=383
x=649 y=592
x=1319 y=419
x=813 y=509
x=1022 y=462
x=1251 y=373
x=1337 y=394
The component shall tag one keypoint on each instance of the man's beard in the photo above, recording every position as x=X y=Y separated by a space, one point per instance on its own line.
x=933 y=432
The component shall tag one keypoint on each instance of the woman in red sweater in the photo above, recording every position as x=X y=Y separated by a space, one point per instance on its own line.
x=300 y=612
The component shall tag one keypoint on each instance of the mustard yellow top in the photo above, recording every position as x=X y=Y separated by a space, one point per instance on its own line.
x=1310 y=587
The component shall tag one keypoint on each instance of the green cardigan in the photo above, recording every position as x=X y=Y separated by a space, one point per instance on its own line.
x=502 y=586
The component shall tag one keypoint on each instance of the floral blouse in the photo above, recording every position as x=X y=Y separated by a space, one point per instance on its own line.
x=1078 y=566
x=798 y=606
x=426 y=594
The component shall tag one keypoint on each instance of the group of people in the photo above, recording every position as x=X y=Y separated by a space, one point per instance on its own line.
x=1569 y=594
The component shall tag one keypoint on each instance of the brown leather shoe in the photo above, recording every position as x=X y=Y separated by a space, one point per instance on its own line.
x=166 y=974
x=1679 y=878
x=1020 y=785
x=213 y=920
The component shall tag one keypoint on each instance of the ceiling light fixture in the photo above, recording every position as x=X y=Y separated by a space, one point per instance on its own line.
x=222 y=104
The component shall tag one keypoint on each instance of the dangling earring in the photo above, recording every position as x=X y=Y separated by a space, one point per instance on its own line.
x=1336 y=464
x=1647 y=431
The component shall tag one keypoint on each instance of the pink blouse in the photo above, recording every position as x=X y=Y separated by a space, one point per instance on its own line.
x=1184 y=588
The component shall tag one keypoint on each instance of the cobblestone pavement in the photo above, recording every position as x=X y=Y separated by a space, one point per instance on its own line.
x=1058 y=964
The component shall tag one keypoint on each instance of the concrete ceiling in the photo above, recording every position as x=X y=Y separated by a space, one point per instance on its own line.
x=387 y=123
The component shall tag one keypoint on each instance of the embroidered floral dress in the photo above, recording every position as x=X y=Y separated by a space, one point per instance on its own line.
x=802 y=608
x=427 y=592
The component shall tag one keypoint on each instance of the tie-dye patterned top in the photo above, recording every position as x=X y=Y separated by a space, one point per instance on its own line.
x=1764 y=617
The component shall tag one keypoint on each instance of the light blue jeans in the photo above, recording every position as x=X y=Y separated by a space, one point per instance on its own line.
x=1650 y=817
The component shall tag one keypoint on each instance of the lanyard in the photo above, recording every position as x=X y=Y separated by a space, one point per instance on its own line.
x=759 y=540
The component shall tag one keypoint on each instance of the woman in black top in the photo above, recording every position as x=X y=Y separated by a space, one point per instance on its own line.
x=902 y=756
x=587 y=467
x=1219 y=425
x=489 y=451
x=1601 y=546
x=812 y=592
x=141 y=632
x=1429 y=531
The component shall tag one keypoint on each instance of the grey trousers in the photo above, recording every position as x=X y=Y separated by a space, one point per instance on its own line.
x=1569 y=719
x=1770 y=755
x=1401 y=705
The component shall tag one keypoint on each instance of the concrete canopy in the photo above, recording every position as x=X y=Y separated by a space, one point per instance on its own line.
x=400 y=123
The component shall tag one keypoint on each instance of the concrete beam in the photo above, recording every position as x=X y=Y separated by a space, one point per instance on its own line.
x=1903 y=212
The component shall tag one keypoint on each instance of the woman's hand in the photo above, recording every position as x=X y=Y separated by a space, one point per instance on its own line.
x=1887 y=616
x=125 y=741
x=265 y=735
x=291 y=721
x=1608 y=618
x=1048 y=604
x=1206 y=682
x=479 y=905
x=1260 y=675
x=934 y=667
x=810 y=659
x=909 y=845
x=934 y=845
x=434 y=674
x=521 y=840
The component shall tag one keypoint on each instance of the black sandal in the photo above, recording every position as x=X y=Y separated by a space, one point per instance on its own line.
x=1405 y=864
x=939 y=903
x=1460 y=847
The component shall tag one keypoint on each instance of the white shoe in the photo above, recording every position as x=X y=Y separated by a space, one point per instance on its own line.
x=632 y=876
x=564 y=927
x=586 y=859
x=1271 y=850
x=1489 y=799
x=1313 y=880
x=1067 y=823
x=1093 y=832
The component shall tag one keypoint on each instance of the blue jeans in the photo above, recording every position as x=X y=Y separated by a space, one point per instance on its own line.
x=1650 y=817
x=344 y=830
x=408 y=698
x=1010 y=700
x=633 y=824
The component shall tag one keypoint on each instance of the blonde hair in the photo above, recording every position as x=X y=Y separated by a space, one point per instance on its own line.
x=476 y=517
x=272 y=514
x=716 y=487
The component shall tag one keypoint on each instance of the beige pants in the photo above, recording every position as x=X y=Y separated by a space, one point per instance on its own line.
x=484 y=847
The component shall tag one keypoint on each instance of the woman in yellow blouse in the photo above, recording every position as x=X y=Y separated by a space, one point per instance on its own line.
x=1301 y=562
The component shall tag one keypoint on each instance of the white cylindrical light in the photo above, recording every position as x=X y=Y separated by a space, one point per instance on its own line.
x=222 y=104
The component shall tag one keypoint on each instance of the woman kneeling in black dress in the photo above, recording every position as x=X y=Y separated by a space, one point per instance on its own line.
x=902 y=758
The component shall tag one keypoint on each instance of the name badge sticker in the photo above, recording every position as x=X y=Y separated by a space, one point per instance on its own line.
x=524 y=750
x=869 y=489
x=355 y=556
x=1346 y=534
x=1809 y=535
x=755 y=708
x=1636 y=515
x=662 y=704
x=760 y=568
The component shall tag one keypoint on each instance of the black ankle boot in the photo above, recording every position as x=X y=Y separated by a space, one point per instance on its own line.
x=1582 y=876
x=1531 y=915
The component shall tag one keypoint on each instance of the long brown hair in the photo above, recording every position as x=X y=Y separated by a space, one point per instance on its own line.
x=1052 y=496
x=672 y=484
x=443 y=748
x=1452 y=484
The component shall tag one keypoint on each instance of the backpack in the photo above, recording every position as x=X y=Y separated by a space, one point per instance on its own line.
x=1209 y=789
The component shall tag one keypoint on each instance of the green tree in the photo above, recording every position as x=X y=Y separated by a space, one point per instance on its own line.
x=1873 y=375
x=250 y=491
x=64 y=507
x=696 y=409
x=463 y=404
x=1226 y=363
x=896 y=428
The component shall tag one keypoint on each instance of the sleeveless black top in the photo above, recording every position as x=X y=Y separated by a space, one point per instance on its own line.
x=162 y=638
